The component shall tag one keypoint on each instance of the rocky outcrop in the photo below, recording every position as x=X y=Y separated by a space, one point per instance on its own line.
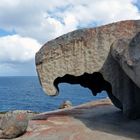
x=97 y=58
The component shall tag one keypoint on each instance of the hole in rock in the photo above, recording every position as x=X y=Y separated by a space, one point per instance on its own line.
x=83 y=86
x=76 y=94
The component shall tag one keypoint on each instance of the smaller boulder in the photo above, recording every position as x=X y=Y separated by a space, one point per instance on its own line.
x=65 y=104
x=13 y=124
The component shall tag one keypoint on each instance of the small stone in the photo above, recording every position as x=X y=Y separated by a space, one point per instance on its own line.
x=65 y=104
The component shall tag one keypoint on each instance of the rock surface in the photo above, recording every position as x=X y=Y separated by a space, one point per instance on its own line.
x=84 y=56
x=98 y=120
x=127 y=53
x=13 y=124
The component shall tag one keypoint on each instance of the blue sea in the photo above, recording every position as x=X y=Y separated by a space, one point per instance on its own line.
x=25 y=93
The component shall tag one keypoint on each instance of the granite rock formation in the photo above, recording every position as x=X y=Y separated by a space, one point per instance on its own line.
x=102 y=58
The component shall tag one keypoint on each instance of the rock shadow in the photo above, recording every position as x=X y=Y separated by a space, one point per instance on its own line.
x=110 y=120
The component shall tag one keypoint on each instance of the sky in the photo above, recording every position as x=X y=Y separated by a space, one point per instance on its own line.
x=25 y=25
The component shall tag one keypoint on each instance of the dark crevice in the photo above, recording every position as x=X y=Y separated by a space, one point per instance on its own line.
x=95 y=82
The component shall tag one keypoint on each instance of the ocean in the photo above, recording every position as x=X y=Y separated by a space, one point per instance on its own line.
x=25 y=93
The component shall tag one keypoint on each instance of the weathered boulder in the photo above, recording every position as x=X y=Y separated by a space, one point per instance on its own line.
x=13 y=124
x=90 y=57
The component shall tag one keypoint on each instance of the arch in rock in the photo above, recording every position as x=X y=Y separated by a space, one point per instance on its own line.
x=95 y=82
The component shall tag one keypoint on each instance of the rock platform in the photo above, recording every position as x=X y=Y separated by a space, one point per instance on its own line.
x=98 y=120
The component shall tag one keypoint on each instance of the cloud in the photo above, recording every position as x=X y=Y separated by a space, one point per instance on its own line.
x=18 y=69
x=17 y=55
x=7 y=69
x=46 y=20
x=34 y=23
x=15 y=48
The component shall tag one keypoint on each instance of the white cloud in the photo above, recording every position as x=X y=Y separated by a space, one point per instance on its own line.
x=17 y=55
x=45 y=20
x=37 y=22
x=17 y=49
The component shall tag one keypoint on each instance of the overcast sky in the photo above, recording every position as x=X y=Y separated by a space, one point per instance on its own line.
x=25 y=25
